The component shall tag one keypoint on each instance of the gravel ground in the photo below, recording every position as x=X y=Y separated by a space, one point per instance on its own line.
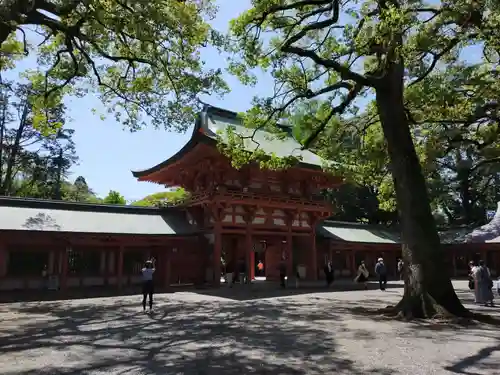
x=242 y=332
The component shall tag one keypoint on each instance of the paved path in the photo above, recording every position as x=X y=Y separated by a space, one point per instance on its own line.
x=194 y=333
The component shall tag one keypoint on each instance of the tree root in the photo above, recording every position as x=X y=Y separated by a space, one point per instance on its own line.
x=424 y=306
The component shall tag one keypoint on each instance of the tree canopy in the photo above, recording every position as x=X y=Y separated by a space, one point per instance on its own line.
x=163 y=198
x=143 y=57
x=380 y=76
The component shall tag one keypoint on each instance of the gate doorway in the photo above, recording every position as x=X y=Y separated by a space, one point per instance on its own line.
x=259 y=260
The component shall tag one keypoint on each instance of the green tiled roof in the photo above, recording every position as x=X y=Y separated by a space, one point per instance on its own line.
x=214 y=122
x=353 y=232
x=36 y=215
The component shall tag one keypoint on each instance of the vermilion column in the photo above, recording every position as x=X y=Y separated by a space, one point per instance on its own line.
x=64 y=268
x=3 y=260
x=217 y=252
x=166 y=272
x=314 y=255
x=289 y=254
x=119 y=274
x=248 y=254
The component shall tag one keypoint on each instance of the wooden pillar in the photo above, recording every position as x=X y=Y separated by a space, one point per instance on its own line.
x=64 y=267
x=119 y=271
x=102 y=270
x=248 y=254
x=3 y=260
x=354 y=266
x=50 y=265
x=166 y=264
x=289 y=246
x=314 y=256
x=217 y=252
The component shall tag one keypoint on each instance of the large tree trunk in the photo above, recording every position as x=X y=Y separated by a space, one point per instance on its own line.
x=428 y=289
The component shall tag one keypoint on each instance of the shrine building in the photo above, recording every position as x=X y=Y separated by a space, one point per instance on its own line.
x=232 y=217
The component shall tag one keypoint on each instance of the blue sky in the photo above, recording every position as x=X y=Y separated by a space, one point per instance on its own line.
x=108 y=152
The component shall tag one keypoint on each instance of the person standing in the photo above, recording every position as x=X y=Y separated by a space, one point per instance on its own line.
x=329 y=273
x=472 y=280
x=381 y=272
x=243 y=272
x=147 y=283
x=282 y=270
x=484 y=284
x=260 y=268
x=400 y=268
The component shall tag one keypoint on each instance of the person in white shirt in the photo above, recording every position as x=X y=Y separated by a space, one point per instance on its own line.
x=147 y=284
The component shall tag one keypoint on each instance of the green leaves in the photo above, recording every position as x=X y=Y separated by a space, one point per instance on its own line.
x=143 y=57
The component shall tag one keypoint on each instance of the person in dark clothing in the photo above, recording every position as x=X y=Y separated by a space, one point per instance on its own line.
x=147 y=284
x=282 y=269
x=328 y=269
x=381 y=272
x=243 y=272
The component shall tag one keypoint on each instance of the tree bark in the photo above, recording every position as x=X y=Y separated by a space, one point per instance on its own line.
x=428 y=290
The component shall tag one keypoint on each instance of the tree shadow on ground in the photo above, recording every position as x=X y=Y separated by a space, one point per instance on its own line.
x=262 y=290
x=199 y=337
x=479 y=360
x=487 y=318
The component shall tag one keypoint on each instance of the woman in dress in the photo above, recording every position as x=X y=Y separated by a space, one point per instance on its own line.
x=362 y=275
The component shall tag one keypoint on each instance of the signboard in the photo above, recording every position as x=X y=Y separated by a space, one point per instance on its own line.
x=490 y=214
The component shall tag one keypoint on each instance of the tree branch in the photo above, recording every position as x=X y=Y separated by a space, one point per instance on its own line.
x=353 y=93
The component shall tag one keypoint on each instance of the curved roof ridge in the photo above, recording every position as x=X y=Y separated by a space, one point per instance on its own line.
x=193 y=140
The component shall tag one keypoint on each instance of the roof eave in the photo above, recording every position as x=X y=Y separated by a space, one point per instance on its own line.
x=193 y=141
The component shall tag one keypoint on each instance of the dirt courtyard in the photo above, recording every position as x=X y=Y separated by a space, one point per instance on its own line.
x=239 y=332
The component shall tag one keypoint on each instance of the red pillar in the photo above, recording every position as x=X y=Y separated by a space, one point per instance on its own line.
x=354 y=268
x=289 y=254
x=3 y=260
x=119 y=273
x=166 y=263
x=64 y=268
x=248 y=254
x=217 y=252
x=314 y=256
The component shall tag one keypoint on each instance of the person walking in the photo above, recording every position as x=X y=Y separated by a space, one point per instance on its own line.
x=381 y=272
x=362 y=275
x=147 y=283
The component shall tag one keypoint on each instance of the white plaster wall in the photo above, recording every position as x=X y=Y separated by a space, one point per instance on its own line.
x=259 y=220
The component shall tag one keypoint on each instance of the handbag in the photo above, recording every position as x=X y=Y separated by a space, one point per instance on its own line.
x=471 y=284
